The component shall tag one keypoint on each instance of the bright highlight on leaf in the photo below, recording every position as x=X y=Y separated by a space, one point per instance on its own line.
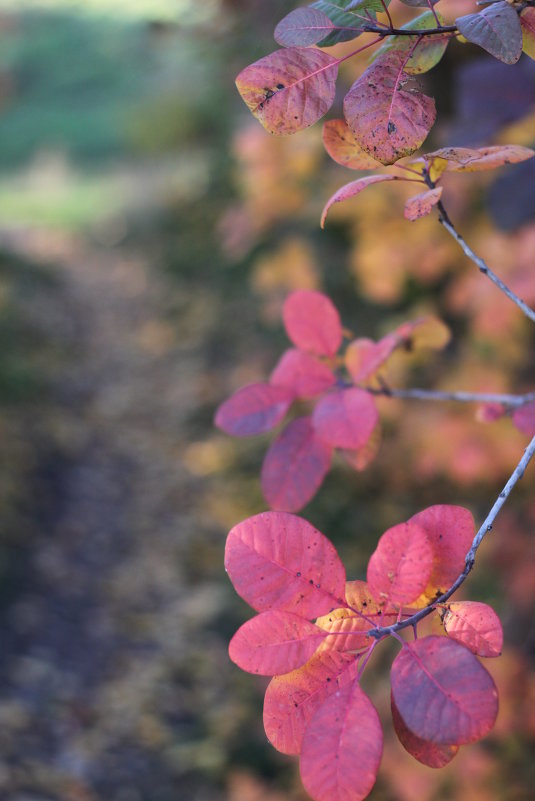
x=475 y=625
x=442 y=692
x=289 y=89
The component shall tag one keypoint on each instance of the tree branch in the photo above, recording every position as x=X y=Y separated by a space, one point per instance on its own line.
x=512 y=401
x=518 y=472
x=390 y=31
x=482 y=266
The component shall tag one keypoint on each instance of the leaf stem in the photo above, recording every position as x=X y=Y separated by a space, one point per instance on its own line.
x=445 y=221
x=485 y=528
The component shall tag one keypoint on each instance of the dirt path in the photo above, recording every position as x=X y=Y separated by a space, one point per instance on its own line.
x=114 y=676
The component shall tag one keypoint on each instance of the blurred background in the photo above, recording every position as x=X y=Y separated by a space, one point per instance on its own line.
x=149 y=232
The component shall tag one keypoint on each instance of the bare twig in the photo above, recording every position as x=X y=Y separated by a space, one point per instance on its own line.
x=511 y=401
x=482 y=266
x=518 y=472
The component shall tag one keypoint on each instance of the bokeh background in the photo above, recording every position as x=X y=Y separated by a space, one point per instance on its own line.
x=149 y=231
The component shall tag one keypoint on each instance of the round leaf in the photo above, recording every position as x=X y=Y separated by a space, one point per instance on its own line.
x=496 y=29
x=312 y=322
x=475 y=625
x=253 y=409
x=302 y=374
x=430 y=754
x=388 y=121
x=274 y=642
x=400 y=567
x=340 y=143
x=342 y=747
x=443 y=693
x=279 y=561
x=289 y=89
x=294 y=466
x=345 y=418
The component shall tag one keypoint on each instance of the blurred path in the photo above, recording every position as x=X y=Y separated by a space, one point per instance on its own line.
x=113 y=672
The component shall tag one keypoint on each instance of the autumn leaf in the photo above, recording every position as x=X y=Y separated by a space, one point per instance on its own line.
x=253 y=409
x=352 y=189
x=312 y=322
x=475 y=625
x=289 y=89
x=496 y=29
x=340 y=143
x=401 y=565
x=389 y=119
x=302 y=374
x=303 y=27
x=430 y=754
x=345 y=418
x=422 y=204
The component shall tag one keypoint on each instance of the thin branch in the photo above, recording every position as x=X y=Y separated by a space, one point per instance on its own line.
x=512 y=401
x=518 y=472
x=390 y=31
x=481 y=265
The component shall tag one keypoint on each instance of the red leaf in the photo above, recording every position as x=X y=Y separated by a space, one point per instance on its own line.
x=274 y=642
x=422 y=204
x=443 y=693
x=294 y=466
x=340 y=143
x=389 y=122
x=292 y=699
x=301 y=373
x=450 y=530
x=475 y=625
x=524 y=419
x=430 y=754
x=253 y=409
x=279 y=561
x=496 y=29
x=289 y=89
x=342 y=747
x=312 y=322
x=345 y=418
x=400 y=567
x=490 y=412
x=304 y=26
x=348 y=628
x=350 y=190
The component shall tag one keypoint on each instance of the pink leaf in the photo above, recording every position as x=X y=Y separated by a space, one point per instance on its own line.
x=289 y=89
x=353 y=188
x=302 y=374
x=345 y=418
x=294 y=466
x=312 y=322
x=443 y=693
x=276 y=560
x=364 y=357
x=400 y=567
x=450 y=530
x=303 y=27
x=524 y=419
x=430 y=754
x=360 y=458
x=274 y=642
x=342 y=747
x=422 y=204
x=292 y=699
x=475 y=625
x=388 y=121
x=253 y=409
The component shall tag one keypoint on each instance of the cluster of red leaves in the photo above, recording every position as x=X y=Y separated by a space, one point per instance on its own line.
x=313 y=634
x=344 y=414
x=294 y=87
x=343 y=147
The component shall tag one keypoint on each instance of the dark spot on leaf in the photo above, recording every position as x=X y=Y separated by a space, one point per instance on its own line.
x=310 y=581
x=298 y=574
x=280 y=86
x=391 y=128
x=328 y=678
